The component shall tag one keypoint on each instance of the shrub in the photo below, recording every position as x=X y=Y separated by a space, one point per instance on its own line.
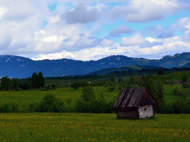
x=88 y=94
x=51 y=104
x=9 y=107
x=44 y=89
x=50 y=86
x=25 y=85
x=185 y=85
x=111 y=88
x=33 y=107
x=178 y=92
x=75 y=85
x=184 y=79
x=94 y=106
x=182 y=106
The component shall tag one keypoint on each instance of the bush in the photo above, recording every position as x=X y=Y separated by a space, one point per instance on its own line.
x=50 y=86
x=111 y=88
x=185 y=85
x=75 y=85
x=25 y=85
x=51 y=104
x=44 y=89
x=9 y=107
x=88 y=94
x=163 y=108
x=178 y=92
x=184 y=79
x=182 y=106
x=94 y=106
x=33 y=107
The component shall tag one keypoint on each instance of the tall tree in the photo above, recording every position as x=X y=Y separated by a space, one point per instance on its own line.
x=41 y=80
x=34 y=80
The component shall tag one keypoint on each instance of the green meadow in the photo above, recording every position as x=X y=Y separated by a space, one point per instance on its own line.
x=26 y=97
x=83 y=127
x=80 y=127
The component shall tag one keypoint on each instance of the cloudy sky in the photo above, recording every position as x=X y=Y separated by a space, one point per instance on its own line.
x=90 y=30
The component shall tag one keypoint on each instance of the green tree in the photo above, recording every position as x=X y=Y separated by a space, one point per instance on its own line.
x=15 y=84
x=112 y=79
x=5 y=83
x=184 y=79
x=34 y=80
x=38 y=80
x=41 y=80
x=154 y=87
x=88 y=94
x=51 y=104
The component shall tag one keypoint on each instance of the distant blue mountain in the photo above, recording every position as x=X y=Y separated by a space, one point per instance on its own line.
x=123 y=69
x=187 y=65
x=20 y=67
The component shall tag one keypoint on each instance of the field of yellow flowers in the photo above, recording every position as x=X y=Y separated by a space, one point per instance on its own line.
x=73 y=127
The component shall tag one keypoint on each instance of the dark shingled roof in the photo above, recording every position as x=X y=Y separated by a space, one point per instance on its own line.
x=134 y=97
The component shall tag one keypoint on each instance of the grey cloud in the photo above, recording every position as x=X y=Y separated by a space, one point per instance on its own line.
x=82 y=44
x=166 y=34
x=153 y=30
x=120 y=30
x=81 y=15
x=145 y=11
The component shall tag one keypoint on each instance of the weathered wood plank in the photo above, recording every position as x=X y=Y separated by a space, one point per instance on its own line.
x=145 y=111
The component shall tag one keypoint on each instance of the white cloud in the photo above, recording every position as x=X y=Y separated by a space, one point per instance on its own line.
x=136 y=39
x=169 y=47
x=5 y=38
x=2 y=11
x=107 y=42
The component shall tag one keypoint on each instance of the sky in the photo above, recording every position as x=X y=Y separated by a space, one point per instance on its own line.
x=91 y=30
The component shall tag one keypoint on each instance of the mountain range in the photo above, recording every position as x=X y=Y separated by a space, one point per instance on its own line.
x=21 y=67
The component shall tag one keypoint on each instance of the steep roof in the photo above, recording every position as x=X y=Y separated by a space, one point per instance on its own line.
x=134 y=97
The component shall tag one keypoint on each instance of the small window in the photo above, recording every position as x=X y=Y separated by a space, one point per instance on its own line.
x=145 y=108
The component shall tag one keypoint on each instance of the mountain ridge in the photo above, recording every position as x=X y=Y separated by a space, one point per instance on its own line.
x=22 y=67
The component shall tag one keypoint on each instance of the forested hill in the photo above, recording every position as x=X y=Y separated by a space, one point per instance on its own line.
x=20 y=67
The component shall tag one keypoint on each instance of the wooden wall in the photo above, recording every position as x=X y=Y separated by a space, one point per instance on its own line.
x=145 y=111
x=131 y=113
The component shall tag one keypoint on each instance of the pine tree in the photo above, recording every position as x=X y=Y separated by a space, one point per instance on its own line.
x=41 y=80
x=34 y=80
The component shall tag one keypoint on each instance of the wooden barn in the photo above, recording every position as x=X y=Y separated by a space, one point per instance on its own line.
x=135 y=103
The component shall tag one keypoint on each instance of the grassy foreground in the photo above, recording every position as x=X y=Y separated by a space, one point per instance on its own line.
x=73 y=127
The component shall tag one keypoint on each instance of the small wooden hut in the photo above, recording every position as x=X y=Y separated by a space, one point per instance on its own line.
x=135 y=103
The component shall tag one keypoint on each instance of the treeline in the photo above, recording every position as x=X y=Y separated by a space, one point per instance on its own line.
x=36 y=81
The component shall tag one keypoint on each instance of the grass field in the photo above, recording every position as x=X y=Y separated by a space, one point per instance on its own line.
x=169 y=96
x=74 y=127
x=24 y=98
